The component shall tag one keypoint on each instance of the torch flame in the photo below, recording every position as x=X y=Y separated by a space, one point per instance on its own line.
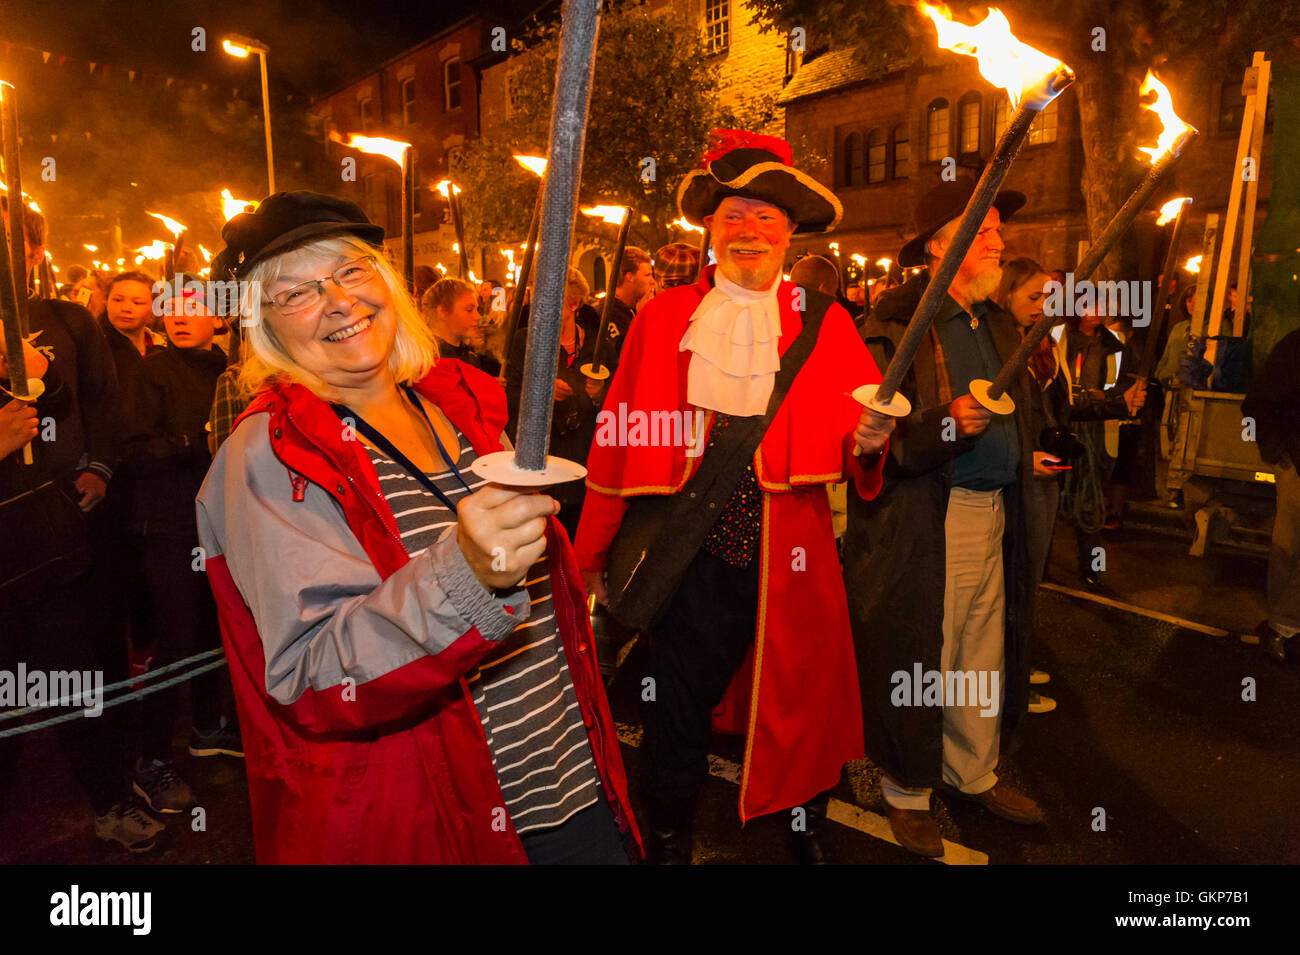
x=446 y=187
x=611 y=214
x=858 y=260
x=1004 y=60
x=1169 y=211
x=231 y=207
x=375 y=145
x=1193 y=264
x=90 y=248
x=174 y=227
x=884 y=263
x=534 y=164
x=207 y=256
x=683 y=224
x=1173 y=128
x=155 y=250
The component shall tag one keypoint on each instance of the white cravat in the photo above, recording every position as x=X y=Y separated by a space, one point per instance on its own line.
x=733 y=337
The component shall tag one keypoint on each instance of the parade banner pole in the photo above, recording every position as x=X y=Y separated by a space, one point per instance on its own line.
x=992 y=395
x=597 y=370
x=529 y=464
x=1029 y=77
x=537 y=166
x=13 y=268
x=1150 y=347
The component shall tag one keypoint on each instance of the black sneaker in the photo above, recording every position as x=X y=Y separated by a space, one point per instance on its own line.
x=225 y=741
x=157 y=784
x=126 y=825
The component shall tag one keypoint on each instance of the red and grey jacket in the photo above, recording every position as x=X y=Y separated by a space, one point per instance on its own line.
x=348 y=657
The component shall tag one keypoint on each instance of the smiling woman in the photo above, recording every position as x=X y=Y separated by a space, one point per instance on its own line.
x=409 y=649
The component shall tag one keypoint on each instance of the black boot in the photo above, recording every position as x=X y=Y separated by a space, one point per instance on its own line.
x=670 y=832
x=806 y=833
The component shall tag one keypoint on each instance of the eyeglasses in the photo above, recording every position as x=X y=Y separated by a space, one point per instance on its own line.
x=309 y=294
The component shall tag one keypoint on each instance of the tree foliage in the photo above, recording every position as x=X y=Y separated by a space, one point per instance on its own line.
x=654 y=96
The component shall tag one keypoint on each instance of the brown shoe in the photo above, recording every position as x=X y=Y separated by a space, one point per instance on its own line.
x=916 y=831
x=1006 y=803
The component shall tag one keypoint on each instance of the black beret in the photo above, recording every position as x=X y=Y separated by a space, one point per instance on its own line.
x=289 y=219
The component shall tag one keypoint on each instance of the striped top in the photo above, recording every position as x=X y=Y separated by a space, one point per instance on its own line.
x=522 y=690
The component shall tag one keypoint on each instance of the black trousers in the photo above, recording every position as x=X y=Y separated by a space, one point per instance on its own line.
x=185 y=616
x=695 y=650
x=52 y=631
x=588 y=837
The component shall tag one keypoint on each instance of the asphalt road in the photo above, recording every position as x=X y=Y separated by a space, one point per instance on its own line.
x=1151 y=727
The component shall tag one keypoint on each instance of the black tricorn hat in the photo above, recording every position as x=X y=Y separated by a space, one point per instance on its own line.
x=940 y=206
x=289 y=219
x=745 y=164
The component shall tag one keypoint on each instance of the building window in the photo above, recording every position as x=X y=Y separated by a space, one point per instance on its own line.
x=902 y=151
x=936 y=130
x=968 y=124
x=367 y=107
x=717 y=25
x=854 y=164
x=408 y=101
x=876 y=156
x=451 y=83
x=1042 y=130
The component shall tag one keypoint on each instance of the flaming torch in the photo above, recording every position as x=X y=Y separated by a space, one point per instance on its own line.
x=13 y=267
x=231 y=207
x=401 y=154
x=537 y=166
x=1032 y=80
x=451 y=192
x=623 y=216
x=173 y=250
x=530 y=465
x=1174 y=136
x=1171 y=211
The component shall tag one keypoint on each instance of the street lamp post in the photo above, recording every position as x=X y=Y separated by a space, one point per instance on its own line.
x=241 y=46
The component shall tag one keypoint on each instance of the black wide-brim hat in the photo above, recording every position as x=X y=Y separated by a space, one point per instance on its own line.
x=740 y=163
x=287 y=220
x=942 y=204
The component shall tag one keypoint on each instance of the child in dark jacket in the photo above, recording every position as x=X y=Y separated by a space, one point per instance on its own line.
x=166 y=413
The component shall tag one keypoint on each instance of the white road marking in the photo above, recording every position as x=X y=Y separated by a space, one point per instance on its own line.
x=846 y=814
x=1140 y=611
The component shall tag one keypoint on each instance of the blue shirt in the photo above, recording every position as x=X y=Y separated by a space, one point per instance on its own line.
x=994 y=462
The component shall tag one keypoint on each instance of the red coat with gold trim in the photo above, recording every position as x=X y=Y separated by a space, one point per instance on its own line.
x=799 y=702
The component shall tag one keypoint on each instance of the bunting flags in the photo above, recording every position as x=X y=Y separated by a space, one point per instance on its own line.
x=105 y=71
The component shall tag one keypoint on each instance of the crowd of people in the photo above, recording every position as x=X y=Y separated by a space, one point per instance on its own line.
x=410 y=647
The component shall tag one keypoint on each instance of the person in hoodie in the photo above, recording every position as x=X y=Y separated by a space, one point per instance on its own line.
x=166 y=413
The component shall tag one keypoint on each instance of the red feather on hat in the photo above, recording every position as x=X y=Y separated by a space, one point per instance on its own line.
x=723 y=141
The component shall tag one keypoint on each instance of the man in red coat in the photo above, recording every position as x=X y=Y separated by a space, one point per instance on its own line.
x=759 y=605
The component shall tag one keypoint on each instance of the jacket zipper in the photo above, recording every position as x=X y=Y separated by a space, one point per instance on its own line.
x=341 y=470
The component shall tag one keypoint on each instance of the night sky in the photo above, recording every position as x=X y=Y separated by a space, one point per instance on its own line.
x=161 y=142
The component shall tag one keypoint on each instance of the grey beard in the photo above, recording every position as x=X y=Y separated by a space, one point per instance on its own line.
x=984 y=285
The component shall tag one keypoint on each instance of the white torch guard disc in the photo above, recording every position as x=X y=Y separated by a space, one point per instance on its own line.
x=590 y=372
x=979 y=389
x=499 y=468
x=896 y=407
x=35 y=388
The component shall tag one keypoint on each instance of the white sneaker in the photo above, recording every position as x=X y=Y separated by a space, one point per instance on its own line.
x=126 y=825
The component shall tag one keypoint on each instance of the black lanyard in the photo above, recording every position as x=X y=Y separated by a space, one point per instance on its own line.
x=386 y=446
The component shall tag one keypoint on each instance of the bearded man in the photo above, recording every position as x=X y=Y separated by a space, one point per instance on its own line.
x=936 y=565
x=714 y=539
